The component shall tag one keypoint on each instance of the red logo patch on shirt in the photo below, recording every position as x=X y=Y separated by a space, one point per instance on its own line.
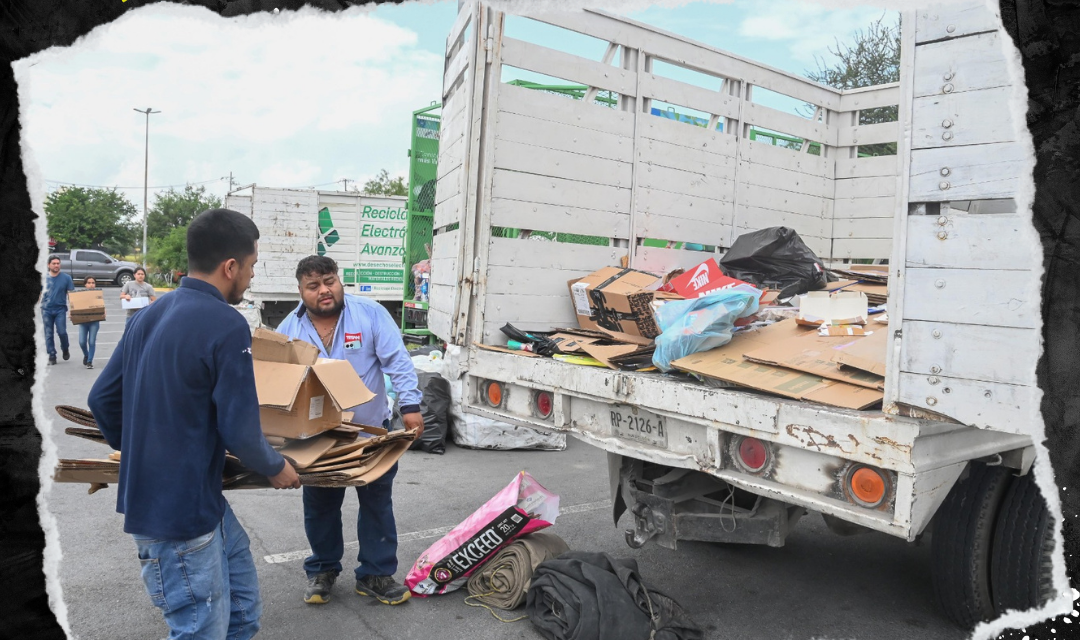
x=353 y=340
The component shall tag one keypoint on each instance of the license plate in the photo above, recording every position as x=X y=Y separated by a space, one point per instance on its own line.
x=632 y=423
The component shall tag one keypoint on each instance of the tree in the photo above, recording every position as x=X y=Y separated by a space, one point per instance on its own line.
x=169 y=254
x=172 y=209
x=872 y=58
x=83 y=218
x=384 y=185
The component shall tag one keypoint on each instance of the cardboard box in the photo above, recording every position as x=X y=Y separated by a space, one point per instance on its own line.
x=301 y=394
x=134 y=303
x=617 y=302
x=819 y=355
x=86 y=306
x=843 y=307
x=727 y=363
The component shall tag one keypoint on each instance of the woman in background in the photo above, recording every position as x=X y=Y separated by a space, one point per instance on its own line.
x=88 y=330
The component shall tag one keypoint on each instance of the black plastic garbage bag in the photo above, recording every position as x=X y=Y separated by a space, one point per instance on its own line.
x=435 y=409
x=582 y=595
x=776 y=258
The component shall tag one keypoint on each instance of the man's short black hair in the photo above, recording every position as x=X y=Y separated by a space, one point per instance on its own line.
x=315 y=266
x=51 y=258
x=216 y=235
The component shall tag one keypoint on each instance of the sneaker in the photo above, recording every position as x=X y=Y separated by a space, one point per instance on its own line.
x=383 y=588
x=52 y=359
x=318 y=589
x=89 y=365
x=67 y=354
x=84 y=361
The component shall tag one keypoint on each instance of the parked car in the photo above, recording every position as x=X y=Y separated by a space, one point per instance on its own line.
x=80 y=263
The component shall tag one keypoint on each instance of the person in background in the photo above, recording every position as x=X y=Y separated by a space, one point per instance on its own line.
x=54 y=308
x=88 y=330
x=137 y=288
x=360 y=331
x=176 y=394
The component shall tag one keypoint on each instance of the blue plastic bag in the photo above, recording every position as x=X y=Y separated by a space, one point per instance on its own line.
x=692 y=326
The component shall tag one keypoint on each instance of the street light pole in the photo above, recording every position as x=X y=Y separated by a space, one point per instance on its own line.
x=146 y=178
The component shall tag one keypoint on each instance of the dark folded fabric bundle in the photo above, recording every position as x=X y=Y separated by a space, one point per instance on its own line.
x=582 y=595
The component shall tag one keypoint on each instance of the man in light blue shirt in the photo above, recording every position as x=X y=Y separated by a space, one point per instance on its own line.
x=361 y=331
x=54 y=308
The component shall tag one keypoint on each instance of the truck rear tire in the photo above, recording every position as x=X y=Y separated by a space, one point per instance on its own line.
x=1023 y=562
x=124 y=277
x=961 y=544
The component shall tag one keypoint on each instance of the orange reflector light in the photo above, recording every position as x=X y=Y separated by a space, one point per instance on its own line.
x=494 y=394
x=868 y=486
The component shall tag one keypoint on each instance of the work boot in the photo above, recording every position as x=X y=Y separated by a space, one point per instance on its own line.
x=383 y=588
x=67 y=354
x=52 y=359
x=318 y=589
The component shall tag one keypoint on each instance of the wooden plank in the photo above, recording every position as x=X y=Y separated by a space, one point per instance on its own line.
x=445 y=245
x=439 y=323
x=444 y=271
x=758 y=218
x=451 y=156
x=688 y=95
x=867 y=167
x=449 y=186
x=554 y=310
x=565 y=66
x=979 y=172
x=880 y=228
x=864 y=208
x=557 y=191
x=464 y=18
x=663 y=260
x=866 y=187
x=666 y=154
x=715 y=232
x=700 y=184
x=546 y=106
x=769 y=118
x=885 y=95
x=453 y=108
x=778 y=200
x=968 y=64
x=861 y=249
x=960 y=351
x=511 y=252
x=534 y=280
x=766 y=154
x=512 y=127
x=965 y=241
x=987 y=405
x=868 y=134
x=975 y=117
x=686 y=135
x=455 y=70
x=554 y=163
x=688 y=53
x=995 y=298
x=516 y=214
x=785 y=179
x=447 y=212
x=954 y=20
x=681 y=205
x=450 y=131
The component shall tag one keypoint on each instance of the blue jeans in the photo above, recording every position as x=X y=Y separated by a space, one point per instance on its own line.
x=375 y=528
x=88 y=339
x=206 y=587
x=55 y=318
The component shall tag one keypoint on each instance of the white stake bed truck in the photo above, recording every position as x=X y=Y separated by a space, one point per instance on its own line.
x=953 y=442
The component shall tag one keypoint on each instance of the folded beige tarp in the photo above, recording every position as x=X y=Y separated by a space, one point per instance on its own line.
x=505 y=579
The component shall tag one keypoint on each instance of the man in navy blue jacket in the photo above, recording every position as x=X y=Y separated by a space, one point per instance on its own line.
x=178 y=391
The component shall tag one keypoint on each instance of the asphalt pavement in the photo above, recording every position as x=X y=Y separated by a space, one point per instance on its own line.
x=819 y=585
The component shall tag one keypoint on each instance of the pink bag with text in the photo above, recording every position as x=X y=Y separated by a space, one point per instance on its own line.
x=523 y=507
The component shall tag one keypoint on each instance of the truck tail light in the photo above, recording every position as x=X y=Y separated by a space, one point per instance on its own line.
x=867 y=486
x=493 y=393
x=543 y=403
x=753 y=454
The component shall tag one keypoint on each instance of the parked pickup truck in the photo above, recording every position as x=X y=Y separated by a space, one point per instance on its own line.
x=80 y=263
x=951 y=449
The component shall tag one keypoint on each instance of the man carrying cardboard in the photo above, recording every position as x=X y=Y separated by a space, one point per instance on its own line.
x=54 y=308
x=178 y=391
x=360 y=331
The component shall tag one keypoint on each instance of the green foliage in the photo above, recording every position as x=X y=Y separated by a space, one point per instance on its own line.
x=172 y=209
x=384 y=185
x=169 y=254
x=872 y=58
x=83 y=218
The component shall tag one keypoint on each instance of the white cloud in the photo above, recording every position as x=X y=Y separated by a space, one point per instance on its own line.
x=807 y=28
x=272 y=98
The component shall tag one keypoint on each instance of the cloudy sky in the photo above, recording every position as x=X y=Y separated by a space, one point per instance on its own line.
x=307 y=99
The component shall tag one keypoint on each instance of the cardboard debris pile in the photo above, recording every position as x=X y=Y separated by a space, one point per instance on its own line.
x=824 y=346
x=303 y=402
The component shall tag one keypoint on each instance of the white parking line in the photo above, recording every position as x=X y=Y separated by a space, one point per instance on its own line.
x=291 y=556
